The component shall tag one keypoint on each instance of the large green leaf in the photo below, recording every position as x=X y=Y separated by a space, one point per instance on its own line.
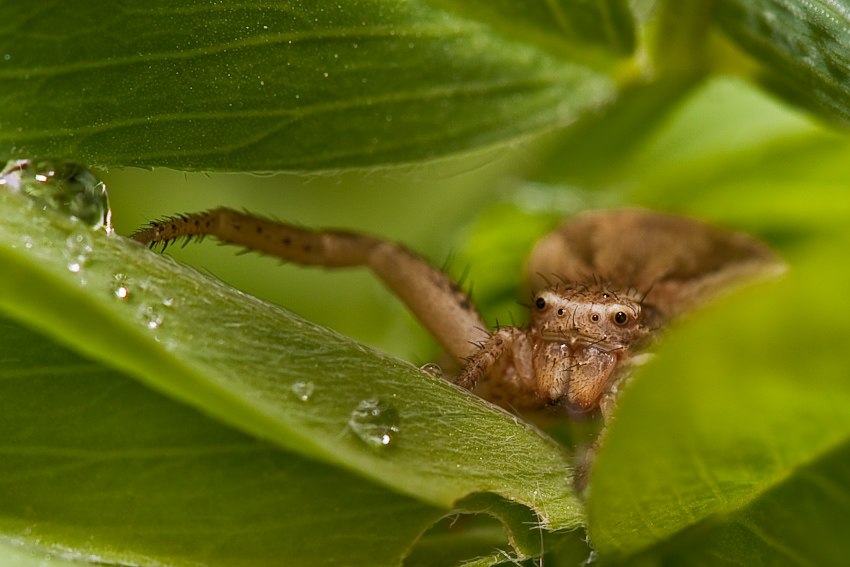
x=231 y=86
x=98 y=467
x=257 y=368
x=742 y=430
x=804 y=44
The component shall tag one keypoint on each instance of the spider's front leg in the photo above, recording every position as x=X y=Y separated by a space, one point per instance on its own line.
x=433 y=298
x=501 y=371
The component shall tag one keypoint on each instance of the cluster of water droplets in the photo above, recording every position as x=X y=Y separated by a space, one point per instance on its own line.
x=61 y=186
x=151 y=315
x=73 y=191
x=69 y=190
x=150 y=308
x=78 y=249
x=375 y=422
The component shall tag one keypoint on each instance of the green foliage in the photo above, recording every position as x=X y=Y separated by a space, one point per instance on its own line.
x=153 y=415
x=736 y=467
x=803 y=46
x=573 y=28
x=158 y=481
x=269 y=87
x=157 y=466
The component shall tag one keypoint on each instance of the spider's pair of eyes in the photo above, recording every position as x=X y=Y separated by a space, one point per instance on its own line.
x=619 y=317
x=541 y=304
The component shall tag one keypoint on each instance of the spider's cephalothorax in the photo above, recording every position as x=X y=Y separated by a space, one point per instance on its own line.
x=587 y=315
x=576 y=348
x=579 y=334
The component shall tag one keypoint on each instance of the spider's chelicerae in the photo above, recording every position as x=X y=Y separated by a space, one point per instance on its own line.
x=620 y=277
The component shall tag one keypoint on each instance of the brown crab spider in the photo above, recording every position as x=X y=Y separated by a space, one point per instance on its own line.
x=622 y=275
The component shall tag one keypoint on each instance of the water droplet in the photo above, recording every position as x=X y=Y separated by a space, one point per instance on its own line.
x=432 y=370
x=78 y=248
x=62 y=187
x=151 y=316
x=119 y=286
x=303 y=390
x=375 y=422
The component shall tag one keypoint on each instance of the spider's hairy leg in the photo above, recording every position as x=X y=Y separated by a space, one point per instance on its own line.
x=507 y=344
x=439 y=304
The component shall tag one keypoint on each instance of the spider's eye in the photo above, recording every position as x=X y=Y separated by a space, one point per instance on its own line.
x=594 y=317
x=560 y=311
x=620 y=318
x=605 y=295
x=541 y=303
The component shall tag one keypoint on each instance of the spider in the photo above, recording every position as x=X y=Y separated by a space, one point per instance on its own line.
x=620 y=277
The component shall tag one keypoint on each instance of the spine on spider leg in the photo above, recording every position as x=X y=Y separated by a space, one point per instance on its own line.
x=168 y=230
x=303 y=246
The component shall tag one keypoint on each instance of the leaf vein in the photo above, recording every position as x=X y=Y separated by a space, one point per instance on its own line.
x=384 y=32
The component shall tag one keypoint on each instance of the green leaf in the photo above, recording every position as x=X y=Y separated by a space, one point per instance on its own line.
x=262 y=370
x=235 y=87
x=457 y=539
x=742 y=429
x=449 y=549
x=581 y=29
x=97 y=467
x=679 y=33
x=18 y=555
x=749 y=176
x=803 y=43
x=561 y=550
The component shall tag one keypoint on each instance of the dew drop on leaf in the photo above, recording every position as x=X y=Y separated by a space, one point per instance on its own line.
x=119 y=286
x=60 y=186
x=375 y=422
x=303 y=390
x=432 y=370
